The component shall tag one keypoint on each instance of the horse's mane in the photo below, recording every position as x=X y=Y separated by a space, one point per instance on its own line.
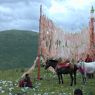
x=53 y=60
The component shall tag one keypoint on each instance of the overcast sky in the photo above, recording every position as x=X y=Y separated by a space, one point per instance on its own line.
x=70 y=15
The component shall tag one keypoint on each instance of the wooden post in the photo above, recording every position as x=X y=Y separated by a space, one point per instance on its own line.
x=39 y=43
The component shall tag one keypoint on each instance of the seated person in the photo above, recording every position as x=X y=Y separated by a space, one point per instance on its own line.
x=26 y=82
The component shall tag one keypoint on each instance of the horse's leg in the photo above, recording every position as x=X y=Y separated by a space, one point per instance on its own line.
x=75 y=78
x=92 y=75
x=71 y=75
x=88 y=76
x=84 y=78
x=61 y=78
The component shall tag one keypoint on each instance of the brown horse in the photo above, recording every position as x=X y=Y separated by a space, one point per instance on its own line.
x=66 y=69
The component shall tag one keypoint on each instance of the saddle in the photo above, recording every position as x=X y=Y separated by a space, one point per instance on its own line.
x=63 y=65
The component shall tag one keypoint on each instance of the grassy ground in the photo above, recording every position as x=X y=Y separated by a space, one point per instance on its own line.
x=47 y=86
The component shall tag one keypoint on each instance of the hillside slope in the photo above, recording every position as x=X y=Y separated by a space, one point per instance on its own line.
x=17 y=48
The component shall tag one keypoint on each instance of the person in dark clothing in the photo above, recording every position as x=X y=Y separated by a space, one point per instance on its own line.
x=88 y=58
x=78 y=92
x=27 y=81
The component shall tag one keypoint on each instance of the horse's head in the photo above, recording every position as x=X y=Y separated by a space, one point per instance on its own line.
x=47 y=64
x=79 y=64
x=51 y=63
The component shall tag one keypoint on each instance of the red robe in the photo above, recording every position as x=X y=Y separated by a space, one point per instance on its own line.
x=88 y=59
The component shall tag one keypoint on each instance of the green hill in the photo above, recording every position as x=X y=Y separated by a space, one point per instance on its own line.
x=17 y=48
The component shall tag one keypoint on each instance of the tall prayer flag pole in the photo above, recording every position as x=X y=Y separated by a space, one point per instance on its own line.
x=39 y=44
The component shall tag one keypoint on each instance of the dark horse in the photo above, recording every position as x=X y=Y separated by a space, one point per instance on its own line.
x=63 y=70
